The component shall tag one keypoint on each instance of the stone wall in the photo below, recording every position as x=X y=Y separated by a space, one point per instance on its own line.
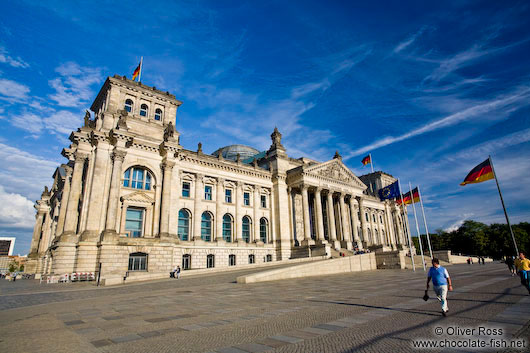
x=347 y=264
x=390 y=260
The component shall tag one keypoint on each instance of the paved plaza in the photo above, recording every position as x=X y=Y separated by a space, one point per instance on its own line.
x=376 y=311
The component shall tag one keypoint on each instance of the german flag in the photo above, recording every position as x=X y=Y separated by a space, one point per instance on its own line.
x=366 y=160
x=137 y=71
x=407 y=200
x=480 y=173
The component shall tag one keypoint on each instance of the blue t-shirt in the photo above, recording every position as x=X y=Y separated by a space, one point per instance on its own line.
x=439 y=275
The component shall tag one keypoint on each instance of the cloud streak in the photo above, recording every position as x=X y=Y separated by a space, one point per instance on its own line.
x=521 y=95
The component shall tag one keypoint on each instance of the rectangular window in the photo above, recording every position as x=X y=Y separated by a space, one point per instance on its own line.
x=246 y=199
x=208 y=192
x=228 y=196
x=138 y=263
x=263 y=201
x=133 y=221
x=231 y=260
x=186 y=189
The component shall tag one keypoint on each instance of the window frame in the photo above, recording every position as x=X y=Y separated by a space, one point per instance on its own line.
x=130 y=178
x=158 y=112
x=228 y=238
x=228 y=195
x=208 y=192
x=210 y=261
x=249 y=230
x=188 y=190
x=263 y=222
x=137 y=257
x=179 y=226
x=186 y=262
x=263 y=201
x=144 y=112
x=204 y=235
x=129 y=232
x=246 y=198
x=251 y=259
x=232 y=260
x=131 y=106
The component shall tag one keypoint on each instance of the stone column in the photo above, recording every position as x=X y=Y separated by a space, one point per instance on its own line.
x=291 y=213
x=199 y=189
x=346 y=239
x=320 y=221
x=307 y=225
x=97 y=194
x=239 y=214
x=355 y=224
x=256 y=217
x=218 y=233
x=389 y=228
x=37 y=232
x=167 y=165
x=64 y=201
x=363 y=220
x=70 y=223
x=331 y=222
x=114 y=194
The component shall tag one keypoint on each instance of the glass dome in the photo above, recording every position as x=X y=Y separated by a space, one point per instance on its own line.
x=231 y=152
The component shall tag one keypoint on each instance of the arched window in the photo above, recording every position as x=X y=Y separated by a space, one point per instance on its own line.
x=376 y=236
x=184 y=225
x=158 y=114
x=128 y=105
x=138 y=261
x=227 y=228
x=381 y=219
x=143 y=109
x=186 y=262
x=137 y=178
x=367 y=219
x=263 y=229
x=206 y=226
x=210 y=261
x=369 y=233
x=246 y=228
x=373 y=216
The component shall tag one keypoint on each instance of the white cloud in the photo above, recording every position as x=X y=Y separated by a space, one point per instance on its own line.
x=15 y=62
x=12 y=91
x=520 y=96
x=72 y=88
x=407 y=42
x=23 y=172
x=29 y=122
x=16 y=211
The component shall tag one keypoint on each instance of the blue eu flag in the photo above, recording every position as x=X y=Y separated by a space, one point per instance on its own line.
x=389 y=192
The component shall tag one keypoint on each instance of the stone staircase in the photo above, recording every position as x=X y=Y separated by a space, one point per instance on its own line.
x=311 y=251
x=336 y=253
x=417 y=262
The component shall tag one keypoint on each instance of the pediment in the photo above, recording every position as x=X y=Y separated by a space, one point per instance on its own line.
x=138 y=197
x=336 y=170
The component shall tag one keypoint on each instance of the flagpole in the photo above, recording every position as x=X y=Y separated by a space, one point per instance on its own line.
x=407 y=222
x=141 y=67
x=425 y=222
x=417 y=226
x=504 y=207
x=371 y=162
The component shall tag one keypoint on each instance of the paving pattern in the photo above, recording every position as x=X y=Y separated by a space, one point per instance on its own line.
x=376 y=311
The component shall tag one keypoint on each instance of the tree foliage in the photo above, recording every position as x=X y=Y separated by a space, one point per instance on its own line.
x=475 y=238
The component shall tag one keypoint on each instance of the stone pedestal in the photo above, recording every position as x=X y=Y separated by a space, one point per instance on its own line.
x=87 y=257
x=346 y=245
x=308 y=242
x=64 y=258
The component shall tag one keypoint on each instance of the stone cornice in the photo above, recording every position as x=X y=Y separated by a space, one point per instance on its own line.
x=145 y=90
x=225 y=165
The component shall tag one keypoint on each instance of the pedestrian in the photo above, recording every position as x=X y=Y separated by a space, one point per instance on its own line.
x=14 y=276
x=172 y=273
x=178 y=272
x=468 y=261
x=523 y=267
x=483 y=260
x=509 y=262
x=441 y=283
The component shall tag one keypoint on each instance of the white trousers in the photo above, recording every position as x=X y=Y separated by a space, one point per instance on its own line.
x=441 y=294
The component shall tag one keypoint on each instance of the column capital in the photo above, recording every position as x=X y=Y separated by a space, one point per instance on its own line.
x=304 y=186
x=68 y=170
x=220 y=181
x=167 y=164
x=318 y=190
x=199 y=177
x=118 y=155
x=80 y=157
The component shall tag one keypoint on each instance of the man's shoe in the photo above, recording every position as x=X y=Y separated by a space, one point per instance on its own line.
x=444 y=313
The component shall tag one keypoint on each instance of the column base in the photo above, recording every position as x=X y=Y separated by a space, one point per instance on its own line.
x=109 y=235
x=67 y=237
x=346 y=245
x=321 y=242
x=359 y=244
x=308 y=242
x=335 y=244
x=90 y=235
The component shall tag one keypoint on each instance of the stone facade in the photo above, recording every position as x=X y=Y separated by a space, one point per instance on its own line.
x=130 y=198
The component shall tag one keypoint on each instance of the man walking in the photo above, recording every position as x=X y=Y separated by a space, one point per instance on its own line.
x=441 y=282
x=523 y=267
x=509 y=263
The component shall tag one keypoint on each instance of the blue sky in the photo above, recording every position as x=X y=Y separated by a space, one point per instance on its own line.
x=429 y=89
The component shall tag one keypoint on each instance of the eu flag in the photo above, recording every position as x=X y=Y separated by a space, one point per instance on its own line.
x=389 y=192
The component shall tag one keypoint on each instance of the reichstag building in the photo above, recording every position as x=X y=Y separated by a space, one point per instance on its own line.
x=130 y=200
